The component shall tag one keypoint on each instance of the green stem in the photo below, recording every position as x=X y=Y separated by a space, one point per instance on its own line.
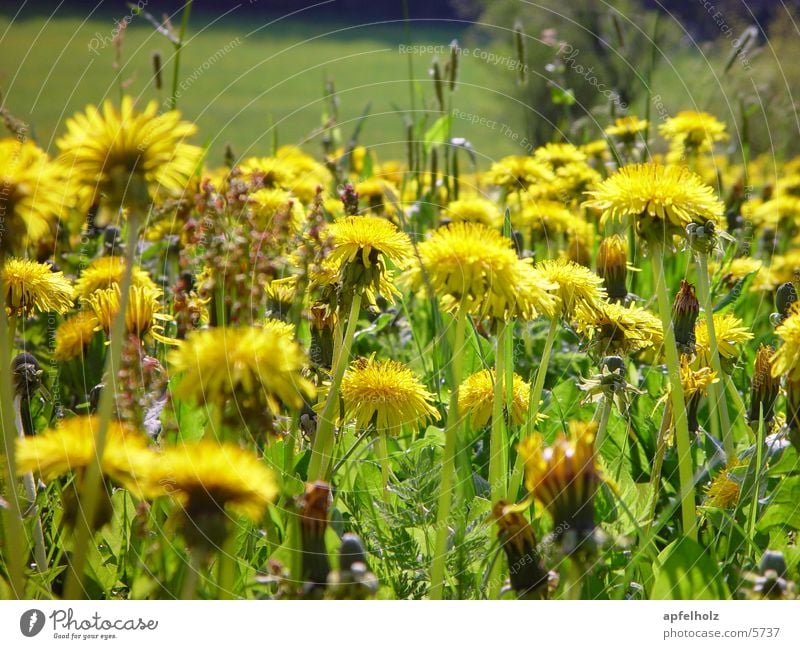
x=190 y=579
x=685 y=471
x=227 y=568
x=498 y=458
x=13 y=532
x=382 y=450
x=718 y=402
x=533 y=406
x=448 y=462
x=605 y=414
x=324 y=437
x=187 y=9
x=39 y=551
x=92 y=487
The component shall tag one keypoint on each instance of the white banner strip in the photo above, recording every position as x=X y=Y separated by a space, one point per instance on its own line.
x=122 y=624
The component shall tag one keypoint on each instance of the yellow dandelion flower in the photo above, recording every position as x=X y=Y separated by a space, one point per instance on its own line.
x=476 y=397
x=126 y=156
x=781 y=213
x=366 y=239
x=577 y=286
x=723 y=490
x=596 y=149
x=657 y=197
x=279 y=328
x=786 y=360
x=362 y=246
x=734 y=270
x=104 y=272
x=546 y=216
x=519 y=172
x=477 y=265
x=70 y=446
x=614 y=329
x=73 y=335
x=218 y=365
x=282 y=292
x=564 y=476
x=573 y=180
x=31 y=286
x=386 y=393
x=207 y=477
x=693 y=130
x=475 y=210
x=142 y=315
x=730 y=333
x=276 y=206
x=696 y=381
x=33 y=195
x=627 y=128
x=557 y=155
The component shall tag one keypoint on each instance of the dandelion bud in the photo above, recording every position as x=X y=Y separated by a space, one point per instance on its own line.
x=314 y=513
x=764 y=388
x=438 y=84
x=785 y=296
x=772 y=583
x=230 y=158
x=323 y=319
x=564 y=478
x=353 y=580
x=452 y=64
x=527 y=573
x=157 y=65
x=685 y=311
x=27 y=375
x=612 y=266
x=519 y=46
x=702 y=238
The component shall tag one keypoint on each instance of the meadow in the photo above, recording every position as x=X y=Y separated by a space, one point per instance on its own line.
x=355 y=356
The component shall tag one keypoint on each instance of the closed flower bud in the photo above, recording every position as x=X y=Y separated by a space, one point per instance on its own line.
x=527 y=573
x=612 y=266
x=764 y=388
x=314 y=514
x=685 y=311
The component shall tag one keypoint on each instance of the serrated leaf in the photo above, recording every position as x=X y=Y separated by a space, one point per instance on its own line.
x=734 y=294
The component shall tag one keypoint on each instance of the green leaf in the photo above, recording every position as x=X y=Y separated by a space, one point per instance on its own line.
x=782 y=509
x=734 y=294
x=688 y=571
x=436 y=134
x=191 y=421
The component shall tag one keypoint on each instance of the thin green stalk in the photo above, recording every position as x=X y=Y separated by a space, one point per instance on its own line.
x=92 y=485
x=226 y=575
x=658 y=462
x=757 y=475
x=448 y=462
x=190 y=579
x=533 y=406
x=498 y=452
x=718 y=402
x=685 y=470
x=382 y=451
x=187 y=9
x=14 y=537
x=605 y=414
x=39 y=551
x=324 y=437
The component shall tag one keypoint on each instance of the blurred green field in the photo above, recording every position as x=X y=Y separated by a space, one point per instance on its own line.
x=244 y=83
